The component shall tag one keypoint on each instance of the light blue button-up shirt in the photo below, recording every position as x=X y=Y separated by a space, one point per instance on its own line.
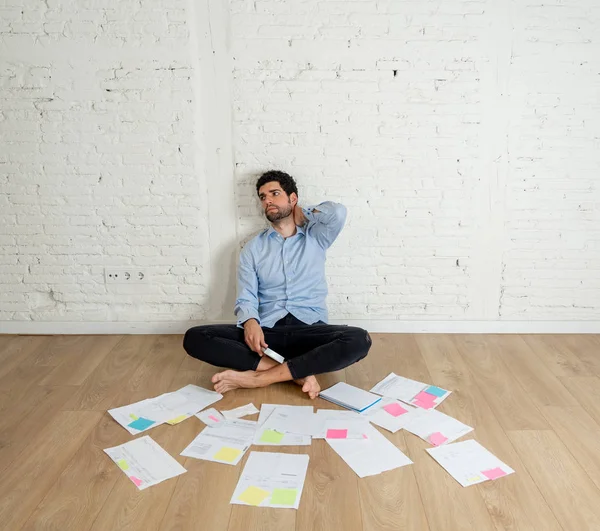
x=277 y=275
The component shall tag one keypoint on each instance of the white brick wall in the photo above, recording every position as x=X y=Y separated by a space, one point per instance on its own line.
x=97 y=162
x=462 y=135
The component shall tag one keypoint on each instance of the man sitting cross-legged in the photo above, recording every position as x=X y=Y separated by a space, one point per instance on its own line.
x=281 y=300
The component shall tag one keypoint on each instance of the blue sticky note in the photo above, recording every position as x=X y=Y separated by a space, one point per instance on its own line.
x=141 y=424
x=435 y=391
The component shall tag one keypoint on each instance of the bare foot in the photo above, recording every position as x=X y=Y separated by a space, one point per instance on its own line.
x=228 y=380
x=309 y=386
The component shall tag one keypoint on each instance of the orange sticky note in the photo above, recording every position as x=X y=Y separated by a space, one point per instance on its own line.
x=253 y=496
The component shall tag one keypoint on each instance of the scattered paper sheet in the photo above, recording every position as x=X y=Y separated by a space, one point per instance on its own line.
x=271 y=437
x=174 y=407
x=211 y=417
x=272 y=480
x=411 y=391
x=469 y=463
x=390 y=414
x=297 y=421
x=370 y=456
x=224 y=444
x=434 y=426
x=350 y=397
x=238 y=412
x=144 y=462
x=335 y=424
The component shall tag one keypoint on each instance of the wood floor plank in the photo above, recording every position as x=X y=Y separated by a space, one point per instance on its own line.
x=555 y=354
x=391 y=500
x=574 y=498
x=14 y=350
x=79 y=358
x=514 y=502
x=107 y=380
x=20 y=424
x=539 y=382
x=587 y=392
x=587 y=348
x=511 y=405
x=154 y=376
x=28 y=479
x=81 y=490
x=580 y=434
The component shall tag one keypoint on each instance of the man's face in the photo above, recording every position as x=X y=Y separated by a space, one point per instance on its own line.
x=275 y=202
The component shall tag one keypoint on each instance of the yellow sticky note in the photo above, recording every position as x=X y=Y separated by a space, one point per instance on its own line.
x=474 y=478
x=227 y=454
x=177 y=420
x=133 y=416
x=284 y=497
x=253 y=496
x=122 y=464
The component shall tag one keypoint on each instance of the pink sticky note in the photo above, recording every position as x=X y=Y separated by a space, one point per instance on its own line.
x=437 y=438
x=337 y=434
x=424 y=405
x=494 y=473
x=395 y=409
x=425 y=398
x=213 y=418
x=137 y=481
x=365 y=436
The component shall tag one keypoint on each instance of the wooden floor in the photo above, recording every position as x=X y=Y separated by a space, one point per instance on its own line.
x=534 y=402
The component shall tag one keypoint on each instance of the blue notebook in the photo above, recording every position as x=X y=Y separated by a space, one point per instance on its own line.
x=350 y=397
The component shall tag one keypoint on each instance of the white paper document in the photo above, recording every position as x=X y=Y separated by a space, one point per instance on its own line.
x=224 y=444
x=168 y=407
x=434 y=426
x=272 y=437
x=144 y=462
x=469 y=463
x=272 y=480
x=294 y=420
x=211 y=417
x=238 y=412
x=411 y=391
x=350 y=397
x=370 y=456
x=390 y=414
x=335 y=424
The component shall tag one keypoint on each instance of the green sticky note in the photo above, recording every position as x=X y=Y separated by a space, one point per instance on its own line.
x=285 y=497
x=122 y=464
x=271 y=436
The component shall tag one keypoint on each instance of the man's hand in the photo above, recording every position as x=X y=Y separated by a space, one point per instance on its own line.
x=254 y=336
x=299 y=217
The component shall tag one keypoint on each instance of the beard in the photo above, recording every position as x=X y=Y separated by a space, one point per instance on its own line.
x=280 y=213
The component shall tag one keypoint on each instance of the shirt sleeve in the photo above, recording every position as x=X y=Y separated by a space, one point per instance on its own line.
x=246 y=305
x=326 y=224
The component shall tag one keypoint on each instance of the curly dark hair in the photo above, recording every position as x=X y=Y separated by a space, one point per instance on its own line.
x=285 y=180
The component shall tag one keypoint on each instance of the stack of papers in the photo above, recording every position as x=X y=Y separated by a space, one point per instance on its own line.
x=435 y=427
x=144 y=462
x=271 y=480
x=350 y=397
x=370 y=456
x=168 y=407
x=224 y=444
x=411 y=391
x=469 y=463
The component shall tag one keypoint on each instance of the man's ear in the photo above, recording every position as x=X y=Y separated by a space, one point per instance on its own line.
x=294 y=198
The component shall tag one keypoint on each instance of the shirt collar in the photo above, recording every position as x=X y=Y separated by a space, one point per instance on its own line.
x=271 y=231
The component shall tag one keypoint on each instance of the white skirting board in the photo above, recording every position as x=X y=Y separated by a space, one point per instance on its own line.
x=372 y=325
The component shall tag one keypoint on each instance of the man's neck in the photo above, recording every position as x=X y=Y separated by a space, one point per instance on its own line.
x=286 y=227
